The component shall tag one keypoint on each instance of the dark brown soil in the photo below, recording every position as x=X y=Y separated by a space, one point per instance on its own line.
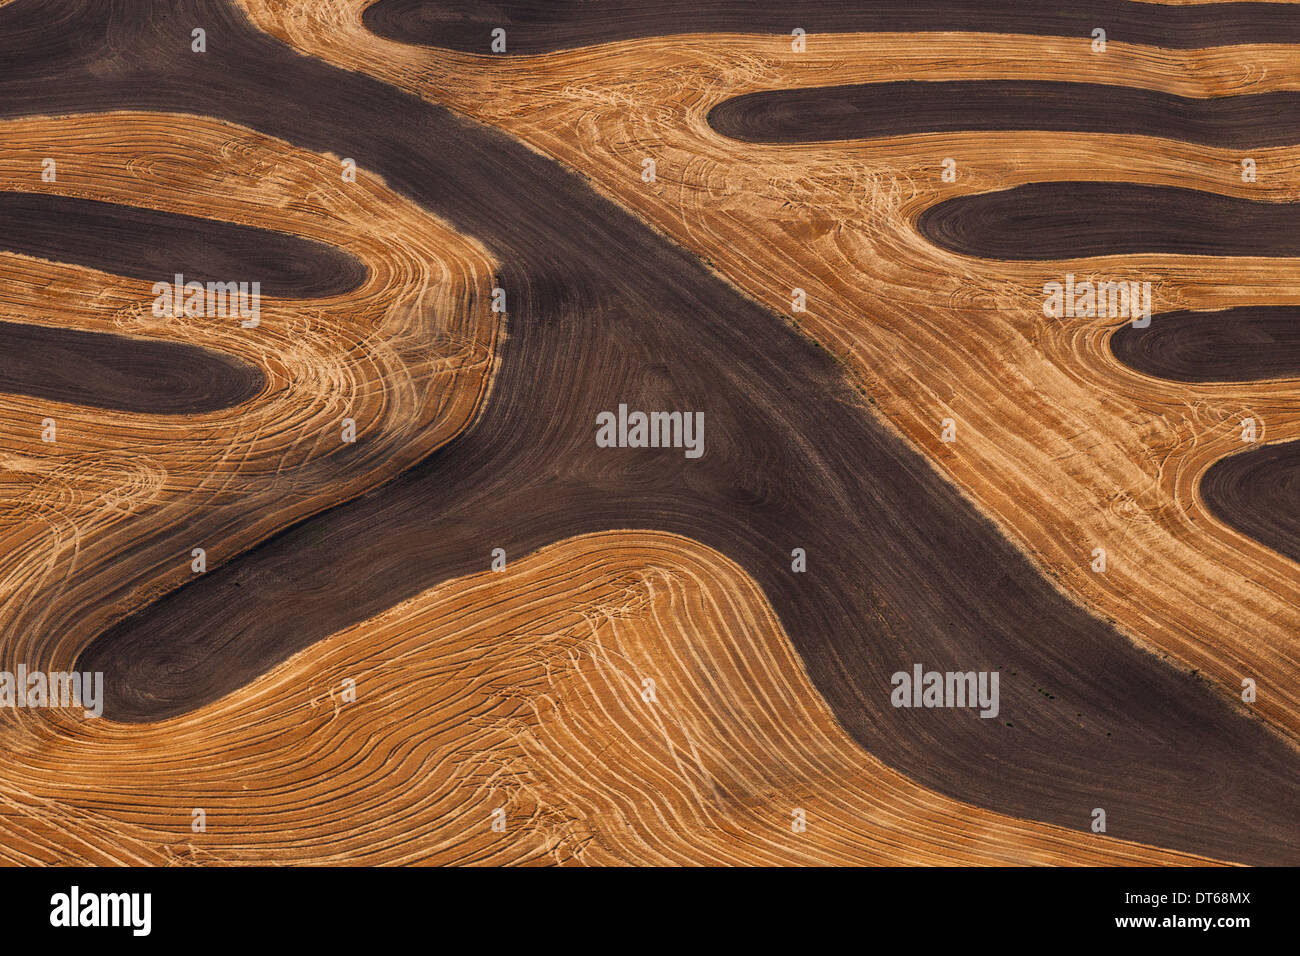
x=1064 y=220
x=1258 y=493
x=874 y=110
x=540 y=26
x=603 y=310
x=1234 y=345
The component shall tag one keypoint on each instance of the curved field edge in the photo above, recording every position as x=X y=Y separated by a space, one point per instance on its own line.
x=619 y=698
x=107 y=516
x=819 y=212
x=1233 y=345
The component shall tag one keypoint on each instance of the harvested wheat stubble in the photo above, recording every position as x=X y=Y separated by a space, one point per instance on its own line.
x=1049 y=411
x=106 y=370
x=1256 y=491
x=1056 y=220
x=1083 y=450
x=106 y=516
x=793 y=452
x=524 y=692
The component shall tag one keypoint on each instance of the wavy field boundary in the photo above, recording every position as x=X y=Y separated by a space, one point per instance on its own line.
x=105 y=517
x=1063 y=446
x=525 y=692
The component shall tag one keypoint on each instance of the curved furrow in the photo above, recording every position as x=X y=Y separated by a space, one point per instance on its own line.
x=908 y=571
x=1042 y=221
x=153 y=245
x=539 y=668
x=906 y=107
x=1255 y=492
x=1027 y=222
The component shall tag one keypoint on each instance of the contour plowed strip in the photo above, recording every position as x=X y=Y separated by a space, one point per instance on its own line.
x=541 y=26
x=1064 y=220
x=875 y=110
x=1234 y=345
x=1258 y=493
x=902 y=569
x=153 y=245
x=105 y=370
